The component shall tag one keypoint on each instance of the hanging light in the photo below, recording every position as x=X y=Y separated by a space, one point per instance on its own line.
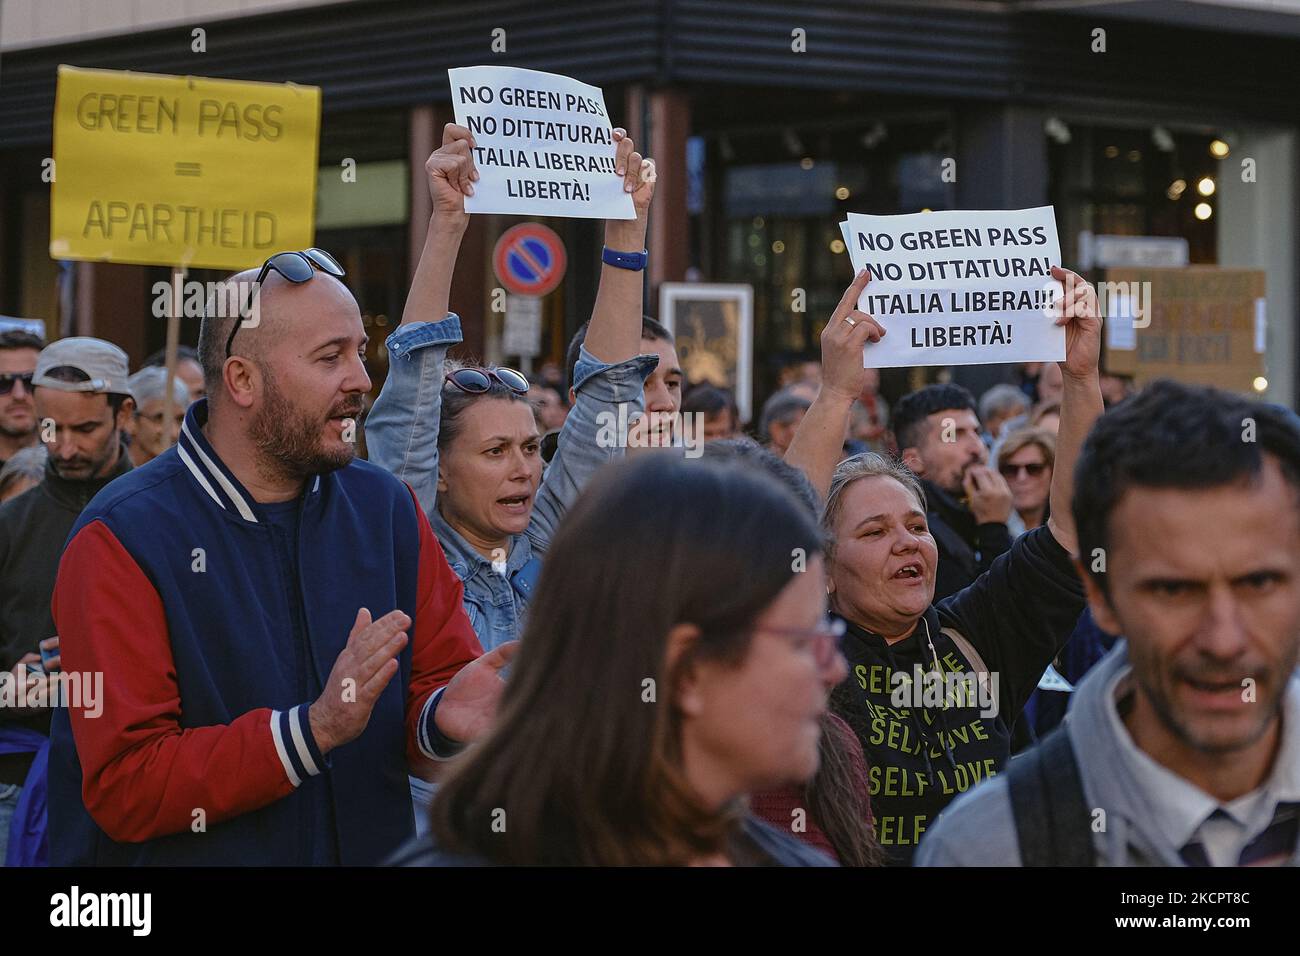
x=1204 y=211
x=1219 y=149
x=1056 y=130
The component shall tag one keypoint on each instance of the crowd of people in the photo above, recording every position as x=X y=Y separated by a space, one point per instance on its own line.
x=928 y=629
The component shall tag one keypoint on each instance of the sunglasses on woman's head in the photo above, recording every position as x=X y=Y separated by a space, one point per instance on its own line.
x=477 y=380
x=297 y=267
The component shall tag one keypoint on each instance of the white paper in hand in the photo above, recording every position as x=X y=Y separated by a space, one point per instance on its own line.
x=960 y=287
x=543 y=144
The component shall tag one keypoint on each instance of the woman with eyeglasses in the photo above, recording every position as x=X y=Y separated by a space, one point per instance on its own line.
x=832 y=810
x=637 y=719
x=1025 y=459
x=934 y=690
x=465 y=437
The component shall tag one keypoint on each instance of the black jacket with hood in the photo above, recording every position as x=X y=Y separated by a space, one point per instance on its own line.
x=34 y=528
x=966 y=549
x=924 y=750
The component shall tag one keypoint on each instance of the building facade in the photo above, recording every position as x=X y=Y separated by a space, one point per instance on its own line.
x=769 y=120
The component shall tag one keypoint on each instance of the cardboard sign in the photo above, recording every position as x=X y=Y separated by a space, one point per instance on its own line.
x=1202 y=325
x=960 y=287
x=543 y=144
x=181 y=171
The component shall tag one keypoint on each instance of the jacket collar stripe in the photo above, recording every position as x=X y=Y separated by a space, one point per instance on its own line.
x=278 y=737
x=240 y=504
x=198 y=475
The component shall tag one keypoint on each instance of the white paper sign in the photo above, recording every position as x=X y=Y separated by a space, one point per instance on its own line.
x=543 y=144
x=1121 y=333
x=522 y=334
x=960 y=287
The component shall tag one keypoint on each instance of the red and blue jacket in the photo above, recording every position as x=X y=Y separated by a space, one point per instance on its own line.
x=173 y=588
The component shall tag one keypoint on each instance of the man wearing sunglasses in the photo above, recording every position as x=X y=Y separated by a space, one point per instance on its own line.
x=18 y=351
x=280 y=635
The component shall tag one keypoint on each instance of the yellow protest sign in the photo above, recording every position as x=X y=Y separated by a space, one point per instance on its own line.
x=181 y=171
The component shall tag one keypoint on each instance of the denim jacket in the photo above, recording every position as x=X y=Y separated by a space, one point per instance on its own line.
x=402 y=436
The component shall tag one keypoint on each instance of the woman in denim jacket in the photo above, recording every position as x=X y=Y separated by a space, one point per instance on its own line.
x=473 y=458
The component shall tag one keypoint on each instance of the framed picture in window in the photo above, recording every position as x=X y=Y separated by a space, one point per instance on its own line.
x=714 y=328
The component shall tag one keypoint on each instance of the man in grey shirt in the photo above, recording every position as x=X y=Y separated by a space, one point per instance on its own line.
x=1182 y=747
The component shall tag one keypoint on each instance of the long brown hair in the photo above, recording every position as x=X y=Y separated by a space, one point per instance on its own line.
x=583 y=764
x=837 y=795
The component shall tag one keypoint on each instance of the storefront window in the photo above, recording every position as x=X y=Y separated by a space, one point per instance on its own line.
x=1146 y=181
x=778 y=197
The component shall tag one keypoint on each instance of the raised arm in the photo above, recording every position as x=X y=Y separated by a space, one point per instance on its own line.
x=609 y=372
x=818 y=443
x=402 y=427
x=615 y=331
x=1081 y=403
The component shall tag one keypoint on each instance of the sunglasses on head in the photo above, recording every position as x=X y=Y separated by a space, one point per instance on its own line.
x=9 y=379
x=297 y=267
x=477 y=380
x=1010 y=471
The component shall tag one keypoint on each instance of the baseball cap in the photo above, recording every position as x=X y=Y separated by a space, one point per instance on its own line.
x=104 y=364
x=151 y=382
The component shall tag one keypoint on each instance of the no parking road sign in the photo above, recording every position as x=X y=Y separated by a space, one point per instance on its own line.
x=529 y=259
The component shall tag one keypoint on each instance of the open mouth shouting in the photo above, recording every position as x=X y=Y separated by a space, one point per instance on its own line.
x=516 y=505
x=910 y=573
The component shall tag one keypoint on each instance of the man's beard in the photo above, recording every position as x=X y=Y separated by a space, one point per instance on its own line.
x=84 y=468
x=957 y=488
x=12 y=431
x=290 y=439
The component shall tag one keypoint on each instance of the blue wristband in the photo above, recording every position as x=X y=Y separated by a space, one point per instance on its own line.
x=624 y=260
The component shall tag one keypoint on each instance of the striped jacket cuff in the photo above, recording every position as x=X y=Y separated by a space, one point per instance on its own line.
x=433 y=743
x=295 y=745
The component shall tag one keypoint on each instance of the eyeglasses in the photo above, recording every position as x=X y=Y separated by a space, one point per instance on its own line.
x=9 y=379
x=477 y=380
x=297 y=267
x=828 y=638
x=1033 y=471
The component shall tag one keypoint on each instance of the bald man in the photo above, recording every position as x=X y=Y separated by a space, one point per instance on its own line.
x=280 y=636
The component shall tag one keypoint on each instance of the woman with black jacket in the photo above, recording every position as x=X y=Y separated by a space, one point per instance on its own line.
x=934 y=689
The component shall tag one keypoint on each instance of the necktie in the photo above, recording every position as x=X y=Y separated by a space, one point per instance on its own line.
x=1272 y=847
